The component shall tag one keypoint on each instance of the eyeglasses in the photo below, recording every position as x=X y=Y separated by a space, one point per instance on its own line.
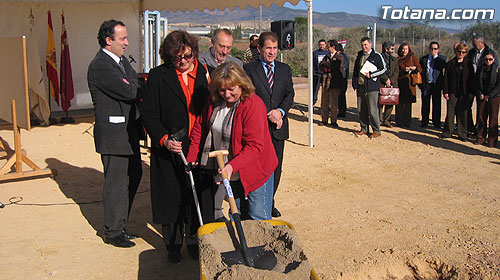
x=461 y=51
x=434 y=49
x=489 y=58
x=187 y=57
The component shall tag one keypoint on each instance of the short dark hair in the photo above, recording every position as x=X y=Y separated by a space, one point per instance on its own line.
x=387 y=45
x=334 y=44
x=176 y=42
x=252 y=37
x=268 y=35
x=433 y=43
x=365 y=39
x=322 y=40
x=107 y=29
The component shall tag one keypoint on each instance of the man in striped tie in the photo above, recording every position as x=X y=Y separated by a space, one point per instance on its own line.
x=273 y=84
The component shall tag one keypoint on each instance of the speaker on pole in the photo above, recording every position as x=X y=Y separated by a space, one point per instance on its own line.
x=285 y=29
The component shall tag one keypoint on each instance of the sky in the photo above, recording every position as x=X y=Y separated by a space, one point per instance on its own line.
x=373 y=8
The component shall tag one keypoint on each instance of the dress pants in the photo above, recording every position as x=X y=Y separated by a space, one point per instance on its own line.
x=368 y=109
x=456 y=106
x=122 y=175
x=431 y=92
x=471 y=127
x=488 y=110
x=316 y=86
x=342 y=99
x=329 y=104
x=279 y=147
x=385 y=116
x=403 y=114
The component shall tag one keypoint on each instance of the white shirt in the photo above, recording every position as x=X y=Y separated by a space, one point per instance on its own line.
x=113 y=56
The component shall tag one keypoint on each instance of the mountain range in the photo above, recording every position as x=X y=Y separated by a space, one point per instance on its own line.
x=249 y=14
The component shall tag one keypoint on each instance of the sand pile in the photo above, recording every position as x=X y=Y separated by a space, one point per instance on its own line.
x=292 y=262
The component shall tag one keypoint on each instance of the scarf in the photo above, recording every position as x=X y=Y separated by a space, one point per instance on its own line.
x=227 y=125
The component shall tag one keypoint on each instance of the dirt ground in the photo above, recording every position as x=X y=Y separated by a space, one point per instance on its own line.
x=407 y=205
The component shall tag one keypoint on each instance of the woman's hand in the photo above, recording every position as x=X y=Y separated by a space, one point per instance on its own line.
x=228 y=169
x=173 y=146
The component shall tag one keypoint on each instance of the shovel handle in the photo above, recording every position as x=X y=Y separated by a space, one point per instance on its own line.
x=225 y=180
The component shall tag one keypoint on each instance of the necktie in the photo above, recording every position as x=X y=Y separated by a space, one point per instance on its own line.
x=270 y=76
x=121 y=67
x=430 y=71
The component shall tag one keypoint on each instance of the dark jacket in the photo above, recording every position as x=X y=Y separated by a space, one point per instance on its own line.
x=370 y=84
x=392 y=71
x=437 y=75
x=317 y=58
x=336 y=67
x=282 y=93
x=114 y=95
x=480 y=62
x=452 y=78
x=492 y=89
x=164 y=110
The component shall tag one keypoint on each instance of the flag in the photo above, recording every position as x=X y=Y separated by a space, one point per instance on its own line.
x=51 y=63
x=67 y=91
x=39 y=100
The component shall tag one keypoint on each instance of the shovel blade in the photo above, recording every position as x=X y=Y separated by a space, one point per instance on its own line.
x=260 y=258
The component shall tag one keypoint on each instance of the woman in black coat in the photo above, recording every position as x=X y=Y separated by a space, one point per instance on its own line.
x=176 y=94
x=458 y=88
x=488 y=100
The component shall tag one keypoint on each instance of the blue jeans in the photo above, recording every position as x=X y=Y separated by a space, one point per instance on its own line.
x=258 y=204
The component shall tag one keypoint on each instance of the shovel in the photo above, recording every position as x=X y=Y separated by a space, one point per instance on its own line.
x=256 y=257
x=175 y=137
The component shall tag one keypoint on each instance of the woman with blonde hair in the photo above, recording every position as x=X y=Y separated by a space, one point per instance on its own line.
x=235 y=119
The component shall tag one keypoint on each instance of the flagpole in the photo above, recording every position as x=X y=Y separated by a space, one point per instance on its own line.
x=52 y=120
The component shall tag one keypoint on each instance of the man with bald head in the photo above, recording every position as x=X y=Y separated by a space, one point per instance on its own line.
x=218 y=53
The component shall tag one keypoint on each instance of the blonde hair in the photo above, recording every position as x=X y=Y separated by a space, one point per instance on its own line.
x=462 y=47
x=229 y=74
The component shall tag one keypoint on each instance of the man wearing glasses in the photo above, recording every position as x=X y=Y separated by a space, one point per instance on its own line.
x=432 y=84
x=218 y=53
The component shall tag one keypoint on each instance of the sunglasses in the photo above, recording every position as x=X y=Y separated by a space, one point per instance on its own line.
x=434 y=49
x=462 y=51
x=489 y=58
x=186 y=57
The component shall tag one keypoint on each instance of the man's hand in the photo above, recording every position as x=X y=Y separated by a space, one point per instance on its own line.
x=388 y=83
x=446 y=96
x=274 y=116
x=279 y=124
x=173 y=146
x=367 y=74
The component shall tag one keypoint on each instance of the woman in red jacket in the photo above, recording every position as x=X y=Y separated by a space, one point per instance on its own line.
x=235 y=119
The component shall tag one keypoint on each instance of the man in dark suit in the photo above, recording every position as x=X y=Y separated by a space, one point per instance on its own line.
x=114 y=86
x=432 y=84
x=273 y=84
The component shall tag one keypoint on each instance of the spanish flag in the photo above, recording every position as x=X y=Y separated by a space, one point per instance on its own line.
x=51 y=63
x=67 y=90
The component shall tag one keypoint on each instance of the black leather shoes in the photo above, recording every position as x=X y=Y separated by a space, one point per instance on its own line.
x=120 y=241
x=275 y=213
x=128 y=235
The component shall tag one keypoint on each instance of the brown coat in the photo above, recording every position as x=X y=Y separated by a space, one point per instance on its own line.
x=407 y=92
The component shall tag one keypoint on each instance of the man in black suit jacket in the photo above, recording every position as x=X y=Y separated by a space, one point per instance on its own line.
x=273 y=84
x=433 y=65
x=114 y=86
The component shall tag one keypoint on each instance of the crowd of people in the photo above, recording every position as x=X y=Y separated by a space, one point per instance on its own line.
x=192 y=104
x=196 y=103
x=470 y=75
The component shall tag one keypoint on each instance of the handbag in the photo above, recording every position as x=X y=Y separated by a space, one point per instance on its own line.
x=416 y=78
x=388 y=96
